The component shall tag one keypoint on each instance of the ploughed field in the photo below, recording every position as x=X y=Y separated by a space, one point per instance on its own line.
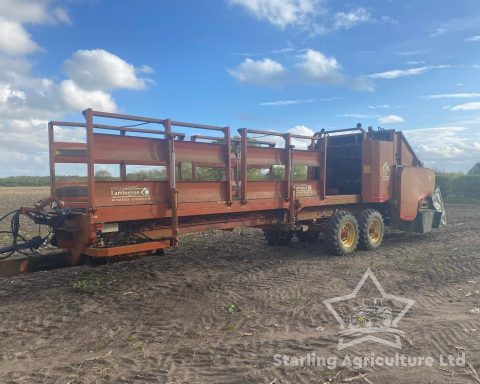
x=220 y=307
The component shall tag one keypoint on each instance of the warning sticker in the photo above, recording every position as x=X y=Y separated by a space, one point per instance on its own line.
x=385 y=171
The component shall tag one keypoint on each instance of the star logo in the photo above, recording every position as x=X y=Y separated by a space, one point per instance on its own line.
x=373 y=317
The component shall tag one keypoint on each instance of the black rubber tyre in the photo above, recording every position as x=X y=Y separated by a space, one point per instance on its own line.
x=274 y=237
x=308 y=236
x=341 y=233
x=371 y=229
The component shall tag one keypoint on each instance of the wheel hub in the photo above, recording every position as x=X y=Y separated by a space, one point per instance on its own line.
x=374 y=231
x=347 y=234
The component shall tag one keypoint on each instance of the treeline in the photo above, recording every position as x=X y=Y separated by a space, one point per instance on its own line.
x=455 y=187
x=459 y=188
x=25 y=181
x=34 y=181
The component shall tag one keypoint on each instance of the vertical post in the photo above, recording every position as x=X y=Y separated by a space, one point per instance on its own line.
x=180 y=171
x=288 y=165
x=244 y=171
x=324 y=167
x=123 y=164
x=88 y=113
x=172 y=184
x=228 y=164
x=289 y=173
x=51 y=155
x=194 y=172
x=311 y=170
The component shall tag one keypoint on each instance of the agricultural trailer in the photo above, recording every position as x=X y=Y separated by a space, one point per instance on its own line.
x=344 y=185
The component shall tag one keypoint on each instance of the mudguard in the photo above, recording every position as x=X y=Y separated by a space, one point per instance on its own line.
x=412 y=184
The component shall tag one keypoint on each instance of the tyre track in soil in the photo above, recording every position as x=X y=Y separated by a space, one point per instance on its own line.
x=164 y=319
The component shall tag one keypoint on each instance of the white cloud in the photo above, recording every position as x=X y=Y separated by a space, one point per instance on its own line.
x=33 y=11
x=303 y=131
x=359 y=115
x=438 y=32
x=281 y=13
x=445 y=148
x=457 y=24
x=9 y=95
x=145 y=69
x=297 y=101
x=298 y=143
x=30 y=11
x=472 y=106
x=452 y=96
x=391 y=119
x=382 y=119
x=312 y=16
x=390 y=20
x=285 y=102
x=362 y=84
x=395 y=73
x=348 y=20
x=27 y=102
x=448 y=151
x=314 y=65
x=14 y=39
x=100 y=69
x=266 y=53
x=61 y=15
x=383 y=106
x=473 y=38
x=80 y=99
x=266 y=71
x=415 y=52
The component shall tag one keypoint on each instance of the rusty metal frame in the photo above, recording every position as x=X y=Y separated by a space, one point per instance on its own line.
x=260 y=203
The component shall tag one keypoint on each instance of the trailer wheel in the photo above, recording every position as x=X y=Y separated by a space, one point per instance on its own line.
x=372 y=228
x=275 y=237
x=341 y=233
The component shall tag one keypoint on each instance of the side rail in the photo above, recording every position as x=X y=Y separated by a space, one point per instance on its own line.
x=131 y=144
x=157 y=147
x=313 y=158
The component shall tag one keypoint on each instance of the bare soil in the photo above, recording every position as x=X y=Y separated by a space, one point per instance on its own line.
x=218 y=308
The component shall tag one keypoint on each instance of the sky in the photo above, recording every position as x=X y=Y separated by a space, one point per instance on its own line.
x=281 y=65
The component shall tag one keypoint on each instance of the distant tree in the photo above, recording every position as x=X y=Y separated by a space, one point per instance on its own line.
x=300 y=172
x=103 y=174
x=159 y=174
x=210 y=174
x=475 y=170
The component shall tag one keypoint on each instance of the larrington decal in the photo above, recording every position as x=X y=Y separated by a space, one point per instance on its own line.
x=303 y=189
x=133 y=193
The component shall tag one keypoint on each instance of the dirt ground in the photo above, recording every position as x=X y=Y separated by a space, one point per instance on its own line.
x=218 y=309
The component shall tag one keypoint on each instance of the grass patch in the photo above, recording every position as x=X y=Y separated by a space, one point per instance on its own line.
x=230 y=308
x=87 y=284
x=135 y=344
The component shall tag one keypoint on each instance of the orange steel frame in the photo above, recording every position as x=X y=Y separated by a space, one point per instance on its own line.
x=178 y=206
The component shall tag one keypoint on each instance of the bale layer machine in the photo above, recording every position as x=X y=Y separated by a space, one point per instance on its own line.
x=346 y=184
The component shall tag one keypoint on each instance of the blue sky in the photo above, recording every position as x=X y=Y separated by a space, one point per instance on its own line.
x=284 y=65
